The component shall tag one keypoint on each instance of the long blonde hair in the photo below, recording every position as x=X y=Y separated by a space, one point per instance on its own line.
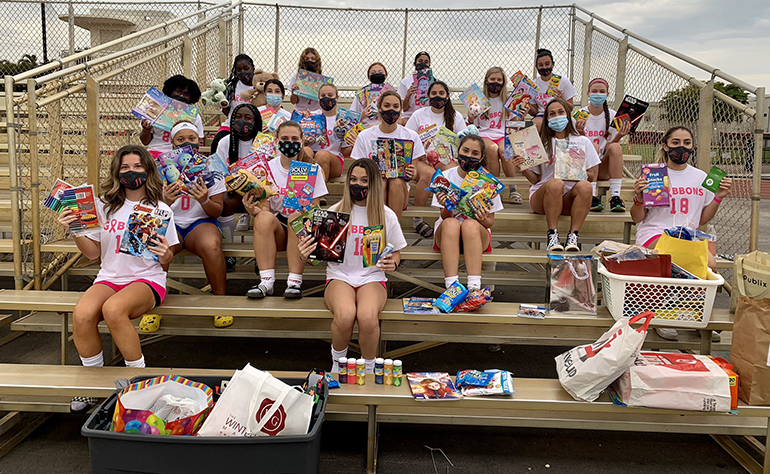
x=375 y=200
x=114 y=194
x=317 y=60
x=662 y=156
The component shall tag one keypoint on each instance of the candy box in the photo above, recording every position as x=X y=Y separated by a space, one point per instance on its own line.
x=657 y=192
x=452 y=297
x=454 y=194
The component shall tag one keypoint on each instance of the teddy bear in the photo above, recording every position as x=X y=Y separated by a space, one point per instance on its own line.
x=215 y=95
x=257 y=94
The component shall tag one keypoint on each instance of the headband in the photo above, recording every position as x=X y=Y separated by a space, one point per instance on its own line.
x=421 y=53
x=183 y=126
x=599 y=79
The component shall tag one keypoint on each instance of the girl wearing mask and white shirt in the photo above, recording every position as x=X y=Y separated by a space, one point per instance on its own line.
x=565 y=90
x=377 y=75
x=309 y=60
x=330 y=157
x=408 y=91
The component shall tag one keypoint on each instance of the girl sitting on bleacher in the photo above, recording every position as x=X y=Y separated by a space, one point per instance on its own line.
x=408 y=91
x=330 y=157
x=126 y=286
x=196 y=209
x=377 y=75
x=271 y=232
x=565 y=90
x=240 y=80
x=274 y=93
x=456 y=233
x=606 y=139
x=354 y=292
x=553 y=196
x=184 y=90
x=309 y=60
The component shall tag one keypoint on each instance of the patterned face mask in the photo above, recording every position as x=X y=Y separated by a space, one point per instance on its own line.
x=680 y=154
x=289 y=149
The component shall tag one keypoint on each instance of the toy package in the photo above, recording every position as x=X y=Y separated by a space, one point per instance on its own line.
x=330 y=230
x=714 y=179
x=473 y=383
x=475 y=300
x=526 y=142
x=373 y=244
x=264 y=145
x=422 y=81
x=570 y=161
x=309 y=83
x=280 y=117
x=352 y=135
x=420 y=305
x=257 y=164
x=370 y=94
x=580 y=114
x=313 y=127
x=300 y=186
x=523 y=91
x=443 y=147
x=454 y=194
x=302 y=225
x=81 y=200
x=452 y=297
x=631 y=110
x=432 y=386
x=392 y=155
x=657 y=192
x=346 y=120
x=267 y=115
x=553 y=85
x=162 y=111
x=476 y=103
x=474 y=182
x=53 y=201
x=144 y=224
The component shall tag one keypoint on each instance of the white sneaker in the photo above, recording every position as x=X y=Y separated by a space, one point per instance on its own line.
x=572 y=245
x=668 y=334
x=553 y=244
x=243 y=223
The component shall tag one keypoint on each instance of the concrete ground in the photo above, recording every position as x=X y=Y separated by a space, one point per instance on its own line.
x=57 y=445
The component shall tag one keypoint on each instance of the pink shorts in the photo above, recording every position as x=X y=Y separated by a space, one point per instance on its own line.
x=488 y=249
x=383 y=283
x=496 y=142
x=651 y=239
x=158 y=291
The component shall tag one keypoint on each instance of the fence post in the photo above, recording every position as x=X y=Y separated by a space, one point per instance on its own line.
x=11 y=127
x=537 y=39
x=222 y=48
x=705 y=125
x=187 y=56
x=34 y=183
x=240 y=29
x=92 y=131
x=588 y=40
x=620 y=75
x=403 y=54
x=572 y=45
x=759 y=129
x=277 y=22
x=71 y=28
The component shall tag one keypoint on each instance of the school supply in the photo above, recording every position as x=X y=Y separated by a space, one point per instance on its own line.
x=162 y=111
x=573 y=283
x=553 y=85
x=714 y=179
x=370 y=94
x=570 y=160
x=525 y=142
x=451 y=297
x=372 y=244
x=481 y=187
x=309 y=84
x=422 y=81
x=524 y=89
x=330 y=230
x=432 y=386
x=473 y=383
x=302 y=225
x=420 y=305
x=280 y=117
x=443 y=147
x=580 y=114
x=313 y=127
x=532 y=311
x=397 y=371
x=476 y=103
x=352 y=135
x=657 y=192
x=81 y=200
x=53 y=201
x=631 y=110
x=300 y=186
x=346 y=120
x=392 y=155
x=144 y=225
x=454 y=194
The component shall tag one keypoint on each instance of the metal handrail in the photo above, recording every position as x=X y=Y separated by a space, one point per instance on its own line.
x=402 y=10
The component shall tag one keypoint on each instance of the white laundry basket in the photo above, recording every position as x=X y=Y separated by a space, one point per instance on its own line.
x=676 y=302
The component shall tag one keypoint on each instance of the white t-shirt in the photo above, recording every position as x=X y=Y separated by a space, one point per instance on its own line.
x=303 y=103
x=187 y=210
x=335 y=145
x=688 y=197
x=363 y=147
x=492 y=127
x=223 y=148
x=453 y=175
x=542 y=98
x=596 y=129
x=281 y=176
x=403 y=89
x=120 y=268
x=545 y=170
x=239 y=88
x=161 y=140
x=425 y=117
x=352 y=270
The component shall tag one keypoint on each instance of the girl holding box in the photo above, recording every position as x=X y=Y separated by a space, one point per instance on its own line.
x=544 y=64
x=377 y=75
x=330 y=157
x=309 y=60
x=408 y=91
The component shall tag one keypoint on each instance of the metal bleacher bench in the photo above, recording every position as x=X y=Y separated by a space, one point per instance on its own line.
x=537 y=403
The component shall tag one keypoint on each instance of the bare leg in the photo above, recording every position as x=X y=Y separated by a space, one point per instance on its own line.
x=491 y=152
x=475 y=240
x=129 y=303
x=396 y=195
x=205 y=241
x=447 y=239
x=424 y=174
x=548 y=200
x=370 y=300
x=340 y=298
x=577 y=203
x=329 y=163
x=86 y=317
x=269 y=237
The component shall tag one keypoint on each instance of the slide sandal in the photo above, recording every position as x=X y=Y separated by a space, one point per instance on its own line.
x=149 y=323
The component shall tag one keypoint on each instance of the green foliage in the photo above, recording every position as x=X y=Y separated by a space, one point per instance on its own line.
x=27 y=62
x=682 y=105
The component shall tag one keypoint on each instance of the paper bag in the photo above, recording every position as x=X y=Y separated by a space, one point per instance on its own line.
x=749 y=354
x=751 y=277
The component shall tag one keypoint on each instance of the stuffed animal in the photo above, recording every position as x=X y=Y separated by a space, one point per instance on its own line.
x=469 y=130
x=257 y=95
x=215 y=95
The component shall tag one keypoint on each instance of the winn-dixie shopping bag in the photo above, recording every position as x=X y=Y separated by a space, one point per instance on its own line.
x=572 y=283
x=751 y=277
x=584 y=371
x=257 y=404
x=749 y=354
x=166 y=405
x=676 y=381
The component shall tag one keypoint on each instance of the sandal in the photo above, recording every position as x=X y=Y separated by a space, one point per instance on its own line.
x=149 y=323
x=424 y=230
x=223 y=321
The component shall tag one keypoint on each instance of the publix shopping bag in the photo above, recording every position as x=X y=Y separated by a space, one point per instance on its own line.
x=584 y=371
x=257 y=404
x=751 y=277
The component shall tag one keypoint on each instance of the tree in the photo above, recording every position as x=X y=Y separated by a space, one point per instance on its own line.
x=27 y=62
x=682 y=105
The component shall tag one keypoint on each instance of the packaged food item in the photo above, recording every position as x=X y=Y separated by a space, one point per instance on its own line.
x=420 y=305
x=452 y=297
x=475 y=300
x=454 y=194
x=489 y=382
x=244 y=181
x=657 y=192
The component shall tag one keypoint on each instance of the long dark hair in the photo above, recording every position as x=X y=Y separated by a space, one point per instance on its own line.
x=662 y=156
x=235 y=137
x=546 y=134
x=480 y=141
x=233 y=79
x=449 y=110
x=114 y=194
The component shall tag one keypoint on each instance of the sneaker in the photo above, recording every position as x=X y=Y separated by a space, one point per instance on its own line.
x=667 y=334
x=553 y=242
x=293 y=292
x=79 y=405
x=572 y=244
x=617 y=204
x=243 y=223
x=596 y=204
x=716 y=336
x=515 y=198
x=259 y=291
x=230 y=264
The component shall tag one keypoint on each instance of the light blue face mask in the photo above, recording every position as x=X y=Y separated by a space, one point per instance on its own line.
x=558 y=124
x=597 y=99
x=274 y=100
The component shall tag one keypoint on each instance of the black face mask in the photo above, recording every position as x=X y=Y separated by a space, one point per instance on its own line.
x=243 y=127
x=194 y=146
x=358 y=192
x=390 y=116
x=545 y=71
x=289 y=149
x=437 y=102
x=494 y=87
x=246 y=78
x=328 y=103
x=468 y=163
x=310 y=66
x=420 y=66
x=180 y=98
x=377 y=78
x=133 y=180
x=680 y=154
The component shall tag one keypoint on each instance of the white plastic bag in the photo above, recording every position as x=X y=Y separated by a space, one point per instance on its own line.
x=584 y=371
